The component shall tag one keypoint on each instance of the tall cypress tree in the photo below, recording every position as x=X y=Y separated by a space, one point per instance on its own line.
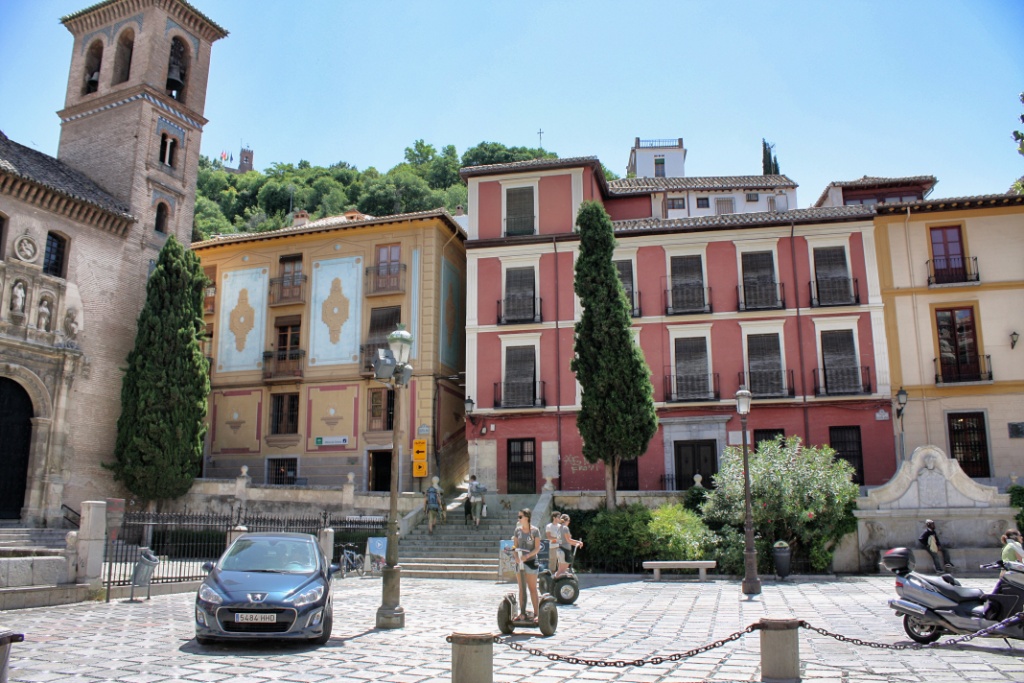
x=164 y=393
x=617 y=419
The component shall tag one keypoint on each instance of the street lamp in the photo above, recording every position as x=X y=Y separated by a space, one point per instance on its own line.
x=901 y=404
x=751 y=584
x=392 y=366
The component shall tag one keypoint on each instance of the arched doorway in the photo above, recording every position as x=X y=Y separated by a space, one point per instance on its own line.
x=15 y=442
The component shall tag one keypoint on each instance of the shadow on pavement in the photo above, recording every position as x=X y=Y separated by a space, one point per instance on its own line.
x=234 y=648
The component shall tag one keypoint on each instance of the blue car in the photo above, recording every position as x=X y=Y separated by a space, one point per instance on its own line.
x=267 y=586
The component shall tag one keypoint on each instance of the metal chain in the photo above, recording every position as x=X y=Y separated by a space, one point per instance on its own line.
x=625 y=662
x=917 y=646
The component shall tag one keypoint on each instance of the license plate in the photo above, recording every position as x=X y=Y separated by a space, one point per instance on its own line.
x=255 y=618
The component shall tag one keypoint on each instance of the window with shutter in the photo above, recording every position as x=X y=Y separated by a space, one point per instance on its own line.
x=210 y=293
x=625 y=270
x=764 y=358
x=520 y=301
x=832 y=277
x=759 y=289
x=725 y=205
x=284 y=414
x=839 y=359
x=692 y=372
x=687 y=284
x=520 y=377
x=519 y=218
x=846 y=443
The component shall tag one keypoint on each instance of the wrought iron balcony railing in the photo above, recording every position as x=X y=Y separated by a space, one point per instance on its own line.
x=769 y=383
x=681 y=388
x=964 y=368
x=284 y=364
x=519 y=395
x=519 y=309
x=761 y=296
x=635 y=310
x=385 y=278
x=687 y=299
x=953 y=269
x=842 y=381
x=834 y=291
x=290 y=289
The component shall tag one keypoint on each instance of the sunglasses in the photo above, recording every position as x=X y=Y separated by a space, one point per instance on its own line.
x=520 y=517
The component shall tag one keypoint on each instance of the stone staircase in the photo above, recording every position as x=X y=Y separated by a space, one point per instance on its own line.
x=21 y=537
x=463 y=551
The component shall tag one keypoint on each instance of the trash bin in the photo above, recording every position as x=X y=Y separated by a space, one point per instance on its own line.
x=142 y=576
x=781 y=555
x=6 y=638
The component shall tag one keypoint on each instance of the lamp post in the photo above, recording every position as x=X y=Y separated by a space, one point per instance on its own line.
x=751 y=584
x=901 y=404
x=392 y=366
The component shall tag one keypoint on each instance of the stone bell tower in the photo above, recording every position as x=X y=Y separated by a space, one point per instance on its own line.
x=133 y=112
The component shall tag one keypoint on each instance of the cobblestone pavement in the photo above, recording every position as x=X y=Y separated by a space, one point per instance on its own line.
x=620 y=618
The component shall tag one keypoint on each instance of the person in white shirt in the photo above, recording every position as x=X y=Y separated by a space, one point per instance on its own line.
x=553 y=532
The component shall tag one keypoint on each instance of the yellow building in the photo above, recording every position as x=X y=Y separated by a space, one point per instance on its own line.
x=952 y=275
x=295 y=317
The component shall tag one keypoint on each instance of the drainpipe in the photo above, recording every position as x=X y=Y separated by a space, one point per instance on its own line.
x=558 y=369
x=799 y=333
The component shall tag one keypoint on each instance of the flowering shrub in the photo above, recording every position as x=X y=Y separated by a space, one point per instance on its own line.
x=680 y=533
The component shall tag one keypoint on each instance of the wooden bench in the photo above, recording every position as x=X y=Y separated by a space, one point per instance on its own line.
x=700 y=565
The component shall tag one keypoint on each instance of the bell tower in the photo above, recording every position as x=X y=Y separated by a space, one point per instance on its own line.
x=133 y=111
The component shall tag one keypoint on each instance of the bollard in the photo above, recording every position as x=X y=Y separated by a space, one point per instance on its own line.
x=472 y=657
x=780 y=650
x=6 y=638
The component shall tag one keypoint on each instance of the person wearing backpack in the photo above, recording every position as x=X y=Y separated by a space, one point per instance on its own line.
x=476 y=497
x=433 y=503
x=930 y=541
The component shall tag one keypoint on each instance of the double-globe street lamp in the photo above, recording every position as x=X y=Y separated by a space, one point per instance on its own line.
x=391 y=366
x=751 y=584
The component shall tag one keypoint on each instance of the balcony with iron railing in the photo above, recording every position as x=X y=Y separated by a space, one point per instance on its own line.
x=385 y=278
x=674 y=142
x=519 y=395
x=952 y=369
x=842 y=381
x=290 y=289
x=761 y=296
x=769 y=383
x=634 y=303
x=683 y=388
x=519 y=225
x=952 y=270
x=834 y=291
x=515 y=310
x=687 y=300
x=283 y=365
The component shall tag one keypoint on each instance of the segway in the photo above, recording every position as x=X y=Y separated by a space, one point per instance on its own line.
x=566 y=588
x=509 y=614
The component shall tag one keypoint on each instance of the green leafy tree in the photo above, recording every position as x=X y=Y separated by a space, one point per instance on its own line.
x=1018 y=137
x=420 y=154
x=608 y=173
x=617 y=418
x=444 y=169
x=159 y=444
x=208 y=220
x=496 y=153
x=803 y=495
x=769 y=163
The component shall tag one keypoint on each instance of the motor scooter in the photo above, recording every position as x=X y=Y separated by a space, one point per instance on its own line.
x=566 y=588
x=933 y=606
x=509 y=614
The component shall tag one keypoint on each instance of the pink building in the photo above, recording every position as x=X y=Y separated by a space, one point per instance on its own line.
x=786 y=303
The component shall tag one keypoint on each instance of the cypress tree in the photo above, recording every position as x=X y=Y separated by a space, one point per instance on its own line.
x=164 y=393
x=617 y=419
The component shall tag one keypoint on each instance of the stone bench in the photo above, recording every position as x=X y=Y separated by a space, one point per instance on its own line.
x=700 y=565
x=966 y=561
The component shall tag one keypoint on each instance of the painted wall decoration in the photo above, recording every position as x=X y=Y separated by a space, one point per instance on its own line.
x=336 y=311
x=237 y=420
x=453 y=329
x=332 y=418
x=242 y=323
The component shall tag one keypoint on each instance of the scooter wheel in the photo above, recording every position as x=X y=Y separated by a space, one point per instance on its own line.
x=544 y=582
x=505 y=618
x=548 y=618
x=921 y=632
x=566 y=591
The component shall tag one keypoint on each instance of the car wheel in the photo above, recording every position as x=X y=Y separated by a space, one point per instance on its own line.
x=328 y=626
x=921 y=632
x=548 y=618
x=360 y=565
x=505 y=618
x=566 y=591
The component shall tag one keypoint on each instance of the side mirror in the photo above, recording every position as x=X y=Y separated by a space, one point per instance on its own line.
x=207 y=567
x=333 y=569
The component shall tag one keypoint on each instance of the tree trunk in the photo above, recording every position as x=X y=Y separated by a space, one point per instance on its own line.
x=611 y=475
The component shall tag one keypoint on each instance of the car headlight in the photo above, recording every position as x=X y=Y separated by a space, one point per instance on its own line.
x=207 y=594
x=309 y=596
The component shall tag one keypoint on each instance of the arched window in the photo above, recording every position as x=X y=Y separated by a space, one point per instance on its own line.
x=168 y=146
x=93 y=62
x=161 y=217
x=123 y=56
x=54 y=261
x=177 y=70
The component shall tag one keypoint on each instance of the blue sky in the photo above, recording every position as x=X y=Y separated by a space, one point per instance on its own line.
x=843 y=89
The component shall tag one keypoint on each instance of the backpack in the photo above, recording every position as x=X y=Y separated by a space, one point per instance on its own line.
x=432 y=501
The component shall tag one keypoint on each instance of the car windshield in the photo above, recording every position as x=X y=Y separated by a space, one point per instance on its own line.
x=269 y=555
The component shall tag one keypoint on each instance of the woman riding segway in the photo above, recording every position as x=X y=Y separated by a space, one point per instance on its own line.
x=512 y=613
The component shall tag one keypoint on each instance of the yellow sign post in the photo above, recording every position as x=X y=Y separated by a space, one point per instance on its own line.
x=419 y=458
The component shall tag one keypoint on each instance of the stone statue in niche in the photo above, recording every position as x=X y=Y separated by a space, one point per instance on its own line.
x=43 y=319
x=18 y=297
x=71 y=324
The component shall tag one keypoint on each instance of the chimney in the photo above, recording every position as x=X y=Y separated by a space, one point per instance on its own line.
x=300 y=218
x=458 y=210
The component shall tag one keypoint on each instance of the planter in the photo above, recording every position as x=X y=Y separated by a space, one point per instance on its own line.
x=782 y=558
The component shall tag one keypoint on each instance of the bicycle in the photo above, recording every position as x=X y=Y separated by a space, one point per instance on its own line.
x=351 y=561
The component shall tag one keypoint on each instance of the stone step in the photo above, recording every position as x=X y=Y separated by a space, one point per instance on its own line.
x=461 y=561
x=450 y=573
